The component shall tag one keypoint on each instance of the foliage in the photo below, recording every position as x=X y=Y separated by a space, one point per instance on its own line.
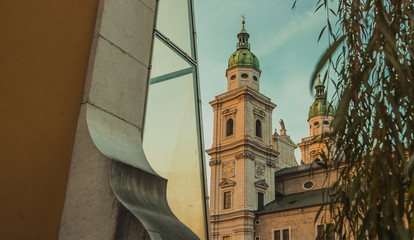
x=371 y=52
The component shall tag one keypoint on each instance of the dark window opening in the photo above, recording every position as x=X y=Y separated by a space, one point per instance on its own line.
x=316 y=123
x=260 y=200
x=233 y=77
x=227 y=200
x=285 y=234
x=244 y=75
x=229 y=127
x=308 y=185
x=258 y=128
x=276 y=235
x=226 y=238
x=325 y=122
x=321 y=232
x=255 y=78
x=325 y=232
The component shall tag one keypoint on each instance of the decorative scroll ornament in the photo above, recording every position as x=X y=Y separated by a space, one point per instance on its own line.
x=214 y=162
x=228 y=169
x=229 y=111
x=260 y=113
x=226 y=183
x=271 y=163
x=261 y=184
x=246 y=155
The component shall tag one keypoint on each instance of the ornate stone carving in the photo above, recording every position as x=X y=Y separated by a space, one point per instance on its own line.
x=228 y=169
x=214 y=162
x=261 y=184
x=226 y=183
x=229 y=111
x=271 y=163
x=259 y=170
x=259 y=113
x=246 y=155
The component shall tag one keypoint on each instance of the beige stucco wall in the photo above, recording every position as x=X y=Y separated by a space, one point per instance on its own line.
x=313 y=145
x=300 y=222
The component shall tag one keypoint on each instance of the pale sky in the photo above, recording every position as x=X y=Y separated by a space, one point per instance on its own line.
x=284 y=41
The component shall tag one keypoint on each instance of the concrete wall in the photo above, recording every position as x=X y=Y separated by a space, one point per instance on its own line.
x=44 y=54
x=110 y=122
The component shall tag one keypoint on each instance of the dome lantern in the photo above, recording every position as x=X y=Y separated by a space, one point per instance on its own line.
x=243 y=56
x=321 y=106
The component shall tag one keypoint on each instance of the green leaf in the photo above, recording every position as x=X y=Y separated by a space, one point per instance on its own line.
x=320 y=34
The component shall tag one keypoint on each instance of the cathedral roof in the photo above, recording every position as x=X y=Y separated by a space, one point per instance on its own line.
x=295 y=201
x=243 y=56
x=321 y=107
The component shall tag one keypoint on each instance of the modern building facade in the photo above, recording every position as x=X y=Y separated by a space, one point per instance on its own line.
x=258 y=191
x=82 y=82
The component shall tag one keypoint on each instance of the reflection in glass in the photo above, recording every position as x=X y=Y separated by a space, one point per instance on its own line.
x=171 y=135
x=174 y=22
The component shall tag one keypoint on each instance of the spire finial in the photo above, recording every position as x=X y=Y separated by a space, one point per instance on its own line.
x=319 y=80
x=243 y=21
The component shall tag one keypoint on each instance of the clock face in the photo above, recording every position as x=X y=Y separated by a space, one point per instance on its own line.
x=260 y=170
x=228 y=169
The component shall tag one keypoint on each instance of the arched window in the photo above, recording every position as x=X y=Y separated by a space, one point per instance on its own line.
x=258 y=128
x=229 y=127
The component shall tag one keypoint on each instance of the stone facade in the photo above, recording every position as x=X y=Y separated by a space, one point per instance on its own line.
x=258 y=191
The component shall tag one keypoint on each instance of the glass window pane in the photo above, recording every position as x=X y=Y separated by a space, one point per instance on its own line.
x=173 y=21
x=171 y=140
x=260 y=200
x=227 y=200
x=165 y=61
x=276 y=235
x=285 y=234
x=320 y=232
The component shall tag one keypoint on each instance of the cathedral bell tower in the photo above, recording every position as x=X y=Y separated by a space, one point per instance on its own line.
x=321 y=114
x=243 y=159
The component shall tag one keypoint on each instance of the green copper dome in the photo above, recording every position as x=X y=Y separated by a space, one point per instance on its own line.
x=243 y=57
x=321 y=106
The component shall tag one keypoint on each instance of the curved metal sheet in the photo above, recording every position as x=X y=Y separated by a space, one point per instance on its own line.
x=144 y=194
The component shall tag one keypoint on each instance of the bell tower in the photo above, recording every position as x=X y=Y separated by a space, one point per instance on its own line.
x=243 y=160
x=321 y=114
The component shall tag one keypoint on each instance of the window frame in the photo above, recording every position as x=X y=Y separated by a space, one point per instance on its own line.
x=258 y=124
x=323 y=237
x=281 y=232
x=226 y=129
x=224 y=200
x=263 y=196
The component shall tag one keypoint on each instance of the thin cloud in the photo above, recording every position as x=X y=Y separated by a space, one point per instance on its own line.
x=292 y=30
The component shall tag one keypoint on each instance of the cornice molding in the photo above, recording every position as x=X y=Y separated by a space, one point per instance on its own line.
x=244 y=92
x=261 y=184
